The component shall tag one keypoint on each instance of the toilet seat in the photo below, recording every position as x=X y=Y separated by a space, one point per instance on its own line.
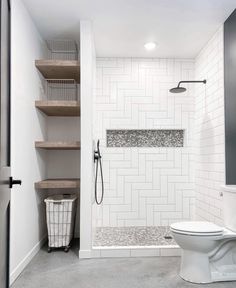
x=199 y=228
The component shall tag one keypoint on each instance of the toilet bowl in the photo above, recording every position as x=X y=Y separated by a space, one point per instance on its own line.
x=208 y=250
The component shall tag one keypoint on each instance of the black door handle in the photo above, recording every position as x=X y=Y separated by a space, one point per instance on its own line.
x=13 y=182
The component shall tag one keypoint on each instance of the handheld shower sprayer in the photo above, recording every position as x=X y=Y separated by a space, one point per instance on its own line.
x=98 y=163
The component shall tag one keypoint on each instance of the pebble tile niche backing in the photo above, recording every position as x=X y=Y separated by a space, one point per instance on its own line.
x=145 y=138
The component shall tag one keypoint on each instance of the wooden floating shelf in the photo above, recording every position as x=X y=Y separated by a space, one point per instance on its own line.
x=59 y=108
x=58 y=145
x=58 y=184
x=59 y=69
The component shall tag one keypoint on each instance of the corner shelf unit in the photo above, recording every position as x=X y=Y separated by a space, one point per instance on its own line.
x=59 y=69
x=59 y=108
x=58 y=184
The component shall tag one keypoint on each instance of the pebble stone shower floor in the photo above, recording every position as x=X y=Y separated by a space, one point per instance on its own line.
x=133 y=236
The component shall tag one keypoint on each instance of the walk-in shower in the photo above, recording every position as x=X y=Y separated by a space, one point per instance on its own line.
x=147 y=142
x=132 y=236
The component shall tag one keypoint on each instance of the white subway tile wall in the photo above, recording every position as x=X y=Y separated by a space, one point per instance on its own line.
x=145 y=186
x=209 y=129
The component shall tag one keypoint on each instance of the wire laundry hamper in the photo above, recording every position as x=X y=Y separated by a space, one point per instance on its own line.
x=62 y=49
x=60 y=213
x=60 y=89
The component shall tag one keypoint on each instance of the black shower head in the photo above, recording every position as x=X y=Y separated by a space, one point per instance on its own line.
x=179 y=89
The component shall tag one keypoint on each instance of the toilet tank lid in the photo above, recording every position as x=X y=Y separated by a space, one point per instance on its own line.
x=229 y=188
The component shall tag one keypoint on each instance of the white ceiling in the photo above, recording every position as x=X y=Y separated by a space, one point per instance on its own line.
x=121 y=27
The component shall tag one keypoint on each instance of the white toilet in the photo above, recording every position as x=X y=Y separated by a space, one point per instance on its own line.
x=209 y=251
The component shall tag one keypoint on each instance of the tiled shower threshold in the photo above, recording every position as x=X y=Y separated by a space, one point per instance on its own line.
x=134 y=242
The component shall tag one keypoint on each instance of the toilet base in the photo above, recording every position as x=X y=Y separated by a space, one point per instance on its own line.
x=197 y=267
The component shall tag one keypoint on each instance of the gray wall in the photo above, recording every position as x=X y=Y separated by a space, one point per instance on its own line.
x=230 y=97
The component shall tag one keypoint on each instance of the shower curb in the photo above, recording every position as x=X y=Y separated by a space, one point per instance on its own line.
x=131 y=251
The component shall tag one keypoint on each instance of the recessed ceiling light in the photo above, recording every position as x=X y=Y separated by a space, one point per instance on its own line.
x=150 y=45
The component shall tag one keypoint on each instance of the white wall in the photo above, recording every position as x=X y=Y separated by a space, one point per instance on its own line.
x=64 y=163
x=27 y=125
x=145 y=186
x=87 y=58
x=209 y=114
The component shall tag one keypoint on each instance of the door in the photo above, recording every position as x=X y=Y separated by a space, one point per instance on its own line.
x=5 y=169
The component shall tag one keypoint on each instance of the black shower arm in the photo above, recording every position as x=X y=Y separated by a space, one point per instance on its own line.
x=192 y=81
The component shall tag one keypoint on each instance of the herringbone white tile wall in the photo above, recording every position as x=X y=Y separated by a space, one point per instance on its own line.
x=210 y=157
x=145 y=186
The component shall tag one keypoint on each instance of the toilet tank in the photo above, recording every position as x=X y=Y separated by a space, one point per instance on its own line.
x=229 y=206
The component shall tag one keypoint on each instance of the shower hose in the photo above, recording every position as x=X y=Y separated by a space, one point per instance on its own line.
x=98 y=161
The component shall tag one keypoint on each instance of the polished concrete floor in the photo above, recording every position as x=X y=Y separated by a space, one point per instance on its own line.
x=59 y=270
